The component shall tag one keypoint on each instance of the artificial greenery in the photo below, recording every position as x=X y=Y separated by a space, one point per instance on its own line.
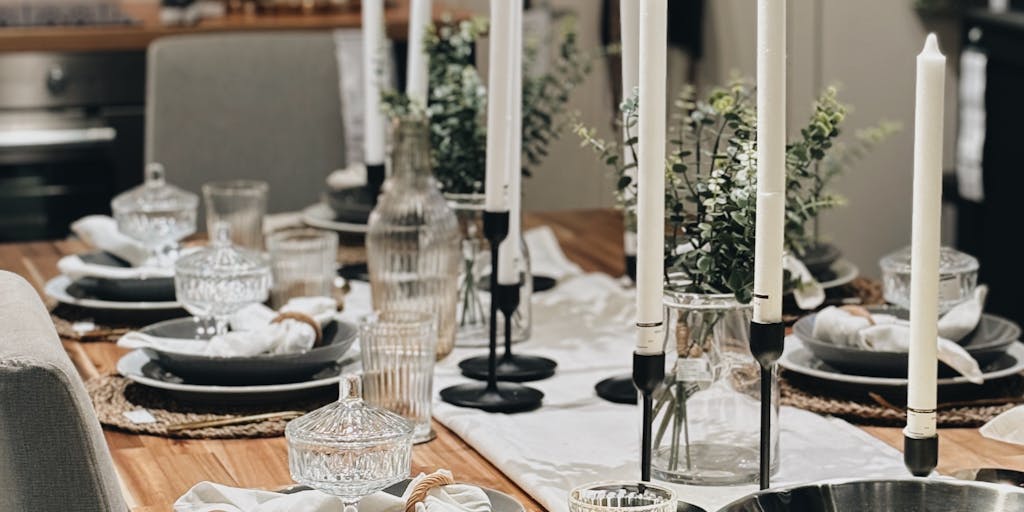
x=457 y=103
x=711 y=181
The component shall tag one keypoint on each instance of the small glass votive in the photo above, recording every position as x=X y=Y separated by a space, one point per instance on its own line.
x=240 y=203
x=304 y=262
x=958 y=277
x=622 y=496
x=398 y=350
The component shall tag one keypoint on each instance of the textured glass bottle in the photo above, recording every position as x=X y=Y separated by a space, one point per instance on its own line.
x=413 y=239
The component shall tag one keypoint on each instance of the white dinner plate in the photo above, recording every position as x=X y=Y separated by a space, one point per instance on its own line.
x=57 y=289
x=137 y=367
x=321 y=216
x=799 y=359
x=845 y=272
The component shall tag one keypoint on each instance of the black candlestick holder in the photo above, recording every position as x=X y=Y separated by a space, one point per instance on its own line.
x=491 y=395
x=766 y=343
x=375 y=174
x=648 y=372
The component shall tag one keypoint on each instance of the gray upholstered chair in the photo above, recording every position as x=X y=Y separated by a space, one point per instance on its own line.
x=247 y=106
x=52 y=452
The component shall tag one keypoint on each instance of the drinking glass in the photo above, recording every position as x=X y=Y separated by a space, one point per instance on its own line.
x=622 y=496
x=304 y=262
x=398 y=350
x=240 y=203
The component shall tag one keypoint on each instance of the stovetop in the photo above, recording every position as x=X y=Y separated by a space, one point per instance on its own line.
x=41 y=13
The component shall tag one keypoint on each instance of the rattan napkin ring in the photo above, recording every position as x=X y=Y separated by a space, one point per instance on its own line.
x=318 y=333
x=419 y=493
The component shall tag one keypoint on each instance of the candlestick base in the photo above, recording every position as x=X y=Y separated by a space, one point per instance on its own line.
x=511 y=368
x=618 y=389
x=505 y=397
x=921 y=456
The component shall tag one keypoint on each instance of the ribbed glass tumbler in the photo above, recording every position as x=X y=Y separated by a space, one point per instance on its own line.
x=304 y=262
x=240 y=203
x=398 y=351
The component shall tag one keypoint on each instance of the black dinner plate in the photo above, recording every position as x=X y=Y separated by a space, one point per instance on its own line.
x=159 y=289
x=246 y=371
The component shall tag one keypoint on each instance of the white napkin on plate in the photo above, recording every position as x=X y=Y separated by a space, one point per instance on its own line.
x=809 y=293
x=1008 y=427
x=888 y=333
x=211 y=497
x=546 y=256
x=353 y=176
x=100 y=231
x=252 y=332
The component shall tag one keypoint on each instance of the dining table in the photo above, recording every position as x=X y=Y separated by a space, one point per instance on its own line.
x=155 y=471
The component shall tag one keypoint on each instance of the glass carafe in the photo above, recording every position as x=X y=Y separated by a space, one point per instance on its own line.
x=413 y=241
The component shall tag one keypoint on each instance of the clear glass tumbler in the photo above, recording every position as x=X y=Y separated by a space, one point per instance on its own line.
x=398 y=351
x=622 y=496
x=240 y=203
x=304 y=262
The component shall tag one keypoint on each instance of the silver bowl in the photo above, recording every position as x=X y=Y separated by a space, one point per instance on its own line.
x=904 y=495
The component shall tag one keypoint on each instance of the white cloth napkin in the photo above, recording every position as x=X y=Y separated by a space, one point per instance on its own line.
x=546 y=256
x=251 y=332
x=1008 y=427
x=211 y=497
x=353 y=176
x=100 y=231
x=809 y=293
x=891 y=334
x=75 y=267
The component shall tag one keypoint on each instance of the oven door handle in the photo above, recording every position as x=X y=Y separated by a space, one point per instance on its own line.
x=15 y=139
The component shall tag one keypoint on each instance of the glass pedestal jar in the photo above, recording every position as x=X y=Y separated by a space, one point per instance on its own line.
x=707 y=416
x=473 y=308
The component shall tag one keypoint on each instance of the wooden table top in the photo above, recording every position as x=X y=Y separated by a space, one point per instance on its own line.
x=155 y=471
x=147 y=12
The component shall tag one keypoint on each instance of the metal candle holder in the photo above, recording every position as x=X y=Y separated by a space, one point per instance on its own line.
x=766 y=343
x=648 y=372
x=491 y=395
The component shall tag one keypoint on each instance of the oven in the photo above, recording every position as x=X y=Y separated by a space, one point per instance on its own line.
x=71 y=137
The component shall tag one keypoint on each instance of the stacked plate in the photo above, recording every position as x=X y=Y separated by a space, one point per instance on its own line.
x=262 y=378
x=132 y=294
x=994 y=344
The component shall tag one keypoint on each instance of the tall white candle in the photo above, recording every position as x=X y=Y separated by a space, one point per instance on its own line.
x=509 y=252
x=499 y=105
x=373 y=53
x=771 y=160
x=924 y=252
x=651 y=177
x=629 y=29
x=418 y=63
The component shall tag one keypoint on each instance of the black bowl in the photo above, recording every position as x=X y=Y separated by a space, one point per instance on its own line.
x=247 y=371
x=159 y=289
x=985 y=344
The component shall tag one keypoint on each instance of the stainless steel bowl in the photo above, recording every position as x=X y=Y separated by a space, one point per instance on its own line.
x=906 y=495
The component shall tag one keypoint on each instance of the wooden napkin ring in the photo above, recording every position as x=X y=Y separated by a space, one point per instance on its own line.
x=306 y=319
x=419 y=493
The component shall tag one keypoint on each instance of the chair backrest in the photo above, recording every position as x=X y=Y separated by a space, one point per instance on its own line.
x=247 y=106
x=52 y=452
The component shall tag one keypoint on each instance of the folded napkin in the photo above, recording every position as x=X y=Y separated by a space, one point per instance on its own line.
x=1008 y=427
x=211 y=497
x=809 y=293
x=76 y=268
x=252 y=332
x=100 y=231
x=353 y=176
x=891 y=334
x=546 y=256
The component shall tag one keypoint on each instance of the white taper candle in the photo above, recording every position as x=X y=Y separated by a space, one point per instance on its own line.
x=499 y=104
x=418 y=63
x=509 y=252
x=629 y=35
x=651 y=177
x=373 y=54
x=924 y=252
x=771 y=160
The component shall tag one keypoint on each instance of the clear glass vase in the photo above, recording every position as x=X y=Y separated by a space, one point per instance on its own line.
x=707 y=415
x=413 y=239
x=474 y=300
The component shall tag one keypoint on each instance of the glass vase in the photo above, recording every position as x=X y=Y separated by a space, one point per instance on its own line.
x=473 y=309
x=412 y=242
x=707 y=415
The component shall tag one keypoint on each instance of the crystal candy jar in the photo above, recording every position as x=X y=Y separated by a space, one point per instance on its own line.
x=413 y=239
x=622 y=496
x=221 y=279
x=958 y=276
x=156 y=213
x=349 y=449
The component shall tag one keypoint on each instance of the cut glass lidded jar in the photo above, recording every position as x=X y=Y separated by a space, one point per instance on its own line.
x=156 y=213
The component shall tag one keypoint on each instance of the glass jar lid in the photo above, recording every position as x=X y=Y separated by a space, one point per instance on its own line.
x=222 y=259
x=349 y=421
x=154 y=195
x=951 y=261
